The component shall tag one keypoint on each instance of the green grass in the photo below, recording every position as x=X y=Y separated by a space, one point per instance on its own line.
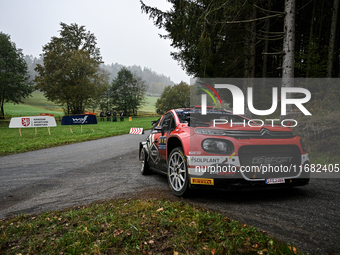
x=39 y=100
x=134 y=227
x=20 y=110
x=11 y=142
x=32 y=106
x=39 y=104
x=150 y=104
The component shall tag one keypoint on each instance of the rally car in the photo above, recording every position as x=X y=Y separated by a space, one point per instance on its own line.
x=221 y=150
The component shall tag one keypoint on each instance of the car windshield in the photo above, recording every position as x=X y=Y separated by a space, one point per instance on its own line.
x=195 y=118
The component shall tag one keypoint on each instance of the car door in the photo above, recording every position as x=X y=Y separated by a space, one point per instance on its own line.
x=168 y=125
x=152 y=144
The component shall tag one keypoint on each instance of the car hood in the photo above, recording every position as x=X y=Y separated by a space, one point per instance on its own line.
x=247 y=132
x=250 y=128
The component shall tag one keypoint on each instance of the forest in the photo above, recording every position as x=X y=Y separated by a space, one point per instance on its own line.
x=245 y=38
x=156 y=82
x=254 y=38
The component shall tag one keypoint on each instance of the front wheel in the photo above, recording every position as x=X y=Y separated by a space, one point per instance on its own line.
x=145 y=170
x=177 y=172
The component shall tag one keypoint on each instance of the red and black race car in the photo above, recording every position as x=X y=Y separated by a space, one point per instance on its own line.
x=223 y=151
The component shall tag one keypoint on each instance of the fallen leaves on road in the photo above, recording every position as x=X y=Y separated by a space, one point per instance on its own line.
x=293 y=249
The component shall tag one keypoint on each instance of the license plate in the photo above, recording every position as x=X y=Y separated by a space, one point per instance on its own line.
x=274 y=180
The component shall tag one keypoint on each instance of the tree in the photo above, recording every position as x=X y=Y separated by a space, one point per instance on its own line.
x=102 y=85
x=14 y=78
x=70 y=74
x=212 y=38
x=288 y=44
x=206 y=45
x=127 y=91
x=332 y=38
x=174 y=97
x=239 y=38
x=288 y=48
x=140 y=88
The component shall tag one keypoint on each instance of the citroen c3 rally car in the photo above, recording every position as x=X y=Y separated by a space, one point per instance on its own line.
x=223 y=151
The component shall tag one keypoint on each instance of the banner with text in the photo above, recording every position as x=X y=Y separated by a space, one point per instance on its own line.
x=79 y=120
x=32 y=121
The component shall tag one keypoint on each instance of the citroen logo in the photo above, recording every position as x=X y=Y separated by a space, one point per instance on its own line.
x=264 y=132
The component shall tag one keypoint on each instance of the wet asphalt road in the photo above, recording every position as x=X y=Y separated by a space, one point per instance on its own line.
x=77 y=174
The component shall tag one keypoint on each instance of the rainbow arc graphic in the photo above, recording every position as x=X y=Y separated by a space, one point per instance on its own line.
x=209 y=93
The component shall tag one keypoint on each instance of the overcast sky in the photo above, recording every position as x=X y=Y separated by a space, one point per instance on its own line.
x=124 y=34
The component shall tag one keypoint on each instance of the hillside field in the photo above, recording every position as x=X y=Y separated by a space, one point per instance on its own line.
x=39 y=104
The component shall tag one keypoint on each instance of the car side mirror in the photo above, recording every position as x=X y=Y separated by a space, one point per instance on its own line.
x=160 y=129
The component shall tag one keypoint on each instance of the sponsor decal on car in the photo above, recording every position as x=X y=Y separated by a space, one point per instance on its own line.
x=162 y=143
x=195 y=152
x=271 y=160
x=154 y=153
x=209 y=160
x=202 y=181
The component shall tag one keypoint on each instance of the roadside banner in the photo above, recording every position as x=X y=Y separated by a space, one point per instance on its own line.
x=136 y=131
x=33 y=122
x=83 y=119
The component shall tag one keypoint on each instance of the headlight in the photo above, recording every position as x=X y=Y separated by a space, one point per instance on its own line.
x=303 y=146
x=217 y=146
x=206 y=131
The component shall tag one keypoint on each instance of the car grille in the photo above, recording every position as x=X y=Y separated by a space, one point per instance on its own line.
x=280 y=161
x=264 y=133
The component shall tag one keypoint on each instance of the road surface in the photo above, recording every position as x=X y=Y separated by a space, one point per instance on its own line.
x=77 y=174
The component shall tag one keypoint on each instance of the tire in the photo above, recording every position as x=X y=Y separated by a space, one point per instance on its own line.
x=178 y=177
x=145 y=169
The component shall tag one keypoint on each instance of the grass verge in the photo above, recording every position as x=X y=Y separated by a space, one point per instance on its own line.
x=11 y=142
x=134 y=226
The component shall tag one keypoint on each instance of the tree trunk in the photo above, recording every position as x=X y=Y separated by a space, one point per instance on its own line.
x=265 y=56
x=321 y=18
x=339 y=70
x=2 y=116
x=288 y=48
x=249 y=64
x=332 y=38
x=311 y=36
x=2 y=100
x=252 y=45
x=266 y=44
